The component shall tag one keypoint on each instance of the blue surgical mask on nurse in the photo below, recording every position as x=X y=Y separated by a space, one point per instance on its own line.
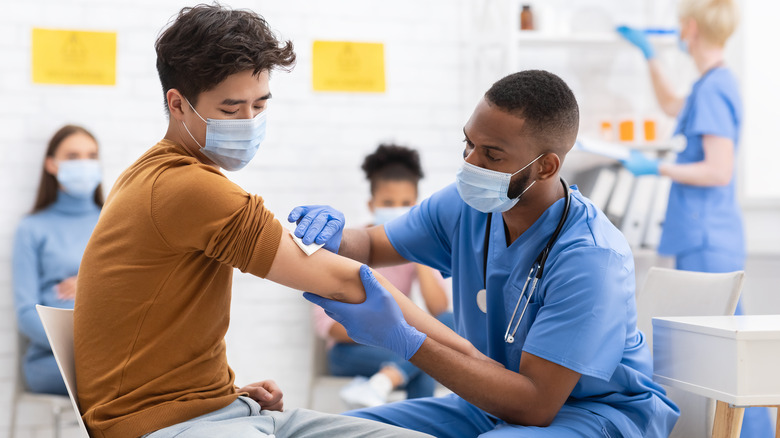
x=487 y=190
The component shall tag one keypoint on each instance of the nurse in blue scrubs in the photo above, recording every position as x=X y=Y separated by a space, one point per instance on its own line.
x=568 y=358
x=703 y=226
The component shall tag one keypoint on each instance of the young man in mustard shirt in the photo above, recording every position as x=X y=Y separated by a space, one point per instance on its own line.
x=155 y=281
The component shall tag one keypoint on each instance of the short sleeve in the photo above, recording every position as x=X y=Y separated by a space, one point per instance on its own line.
x=195 y=208
x=582 y=321
x=713 y=112
x=424 y=235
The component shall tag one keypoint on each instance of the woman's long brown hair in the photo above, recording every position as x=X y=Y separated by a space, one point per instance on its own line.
x=47 y=190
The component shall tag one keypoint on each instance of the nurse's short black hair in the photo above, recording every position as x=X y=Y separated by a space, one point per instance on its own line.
x=207 y=43
x=545 y=102
x=391 y=162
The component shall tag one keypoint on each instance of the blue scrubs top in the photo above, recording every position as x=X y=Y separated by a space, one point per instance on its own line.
x=706 y=217
x=582 y=315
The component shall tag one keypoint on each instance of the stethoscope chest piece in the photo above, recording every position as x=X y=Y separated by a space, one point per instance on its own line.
x=509 y=339
x=482 y=300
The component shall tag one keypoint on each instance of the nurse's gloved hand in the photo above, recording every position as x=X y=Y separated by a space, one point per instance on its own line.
x=640 y=165
x=320 y=224
x=377 y=321
x=637 y=38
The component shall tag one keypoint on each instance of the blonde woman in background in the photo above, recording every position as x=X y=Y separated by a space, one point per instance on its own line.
x=703 y=226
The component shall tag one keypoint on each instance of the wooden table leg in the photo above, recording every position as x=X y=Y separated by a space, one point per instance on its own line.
x=777 y=425
x=728 y=421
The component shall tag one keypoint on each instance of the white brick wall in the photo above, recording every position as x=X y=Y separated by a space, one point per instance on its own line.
x=315 y=144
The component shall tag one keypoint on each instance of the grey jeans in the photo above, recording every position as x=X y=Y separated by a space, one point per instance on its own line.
x=243 y=418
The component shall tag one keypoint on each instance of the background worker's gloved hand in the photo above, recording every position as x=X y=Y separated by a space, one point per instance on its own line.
x=640 y=165
x=377 y=322
x=637 y=38
x=320 y=224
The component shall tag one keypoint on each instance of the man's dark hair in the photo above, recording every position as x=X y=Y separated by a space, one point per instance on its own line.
x=391 y=162
x=545 y=102
x=207 y=43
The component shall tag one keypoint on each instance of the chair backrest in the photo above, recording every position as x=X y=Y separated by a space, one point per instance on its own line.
x=58 y=324
x=669 y=292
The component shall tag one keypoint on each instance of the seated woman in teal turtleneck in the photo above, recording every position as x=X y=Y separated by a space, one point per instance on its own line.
x=49 y=244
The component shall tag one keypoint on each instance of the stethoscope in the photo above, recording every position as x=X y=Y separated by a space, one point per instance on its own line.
x=537 y=269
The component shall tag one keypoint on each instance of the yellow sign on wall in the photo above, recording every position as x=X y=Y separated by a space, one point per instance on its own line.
x=73 y=57
x=348 y=66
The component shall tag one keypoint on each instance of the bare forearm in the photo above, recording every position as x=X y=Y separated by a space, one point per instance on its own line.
x=670 y=103
x=370 y=246
x=695 y=174
x=432 y=291
x=716 y=169
x=355 y=244
x=492 y=388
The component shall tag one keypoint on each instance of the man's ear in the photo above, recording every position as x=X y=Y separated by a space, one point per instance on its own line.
x=176 y=103
x=551 y=164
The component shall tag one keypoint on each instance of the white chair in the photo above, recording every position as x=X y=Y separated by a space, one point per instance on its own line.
x=669 y=292
x=58 y=324
x=58 y=404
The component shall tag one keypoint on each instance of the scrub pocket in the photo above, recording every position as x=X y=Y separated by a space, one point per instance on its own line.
x=515 y=349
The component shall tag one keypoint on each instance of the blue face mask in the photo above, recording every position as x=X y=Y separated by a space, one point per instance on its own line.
x=486 y=190
x=383 y=215
x=79 y=178
x=231 y=143
x=683 y=45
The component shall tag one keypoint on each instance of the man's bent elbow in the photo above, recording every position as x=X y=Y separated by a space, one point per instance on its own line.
x=538 y=417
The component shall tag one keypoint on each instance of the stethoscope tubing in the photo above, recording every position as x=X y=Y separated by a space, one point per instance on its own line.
x=537 y=269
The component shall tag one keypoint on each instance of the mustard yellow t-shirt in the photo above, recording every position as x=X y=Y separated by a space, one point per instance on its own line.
x=154 y=289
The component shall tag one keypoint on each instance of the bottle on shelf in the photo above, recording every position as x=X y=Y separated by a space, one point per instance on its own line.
x=526 y=18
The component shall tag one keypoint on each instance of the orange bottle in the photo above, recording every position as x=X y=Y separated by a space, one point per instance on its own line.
x=626 y=130
x=650 y=130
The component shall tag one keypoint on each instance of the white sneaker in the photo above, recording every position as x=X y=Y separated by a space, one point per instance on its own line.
x=359 y=394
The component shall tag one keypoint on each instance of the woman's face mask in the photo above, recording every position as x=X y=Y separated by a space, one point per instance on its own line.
x=231 y=143
x=79 y=178
x=383 y=215
x=486 y=190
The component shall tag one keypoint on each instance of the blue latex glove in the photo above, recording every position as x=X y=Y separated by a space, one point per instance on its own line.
x=637 y=38
x=377 y=321
x=318 y=224
x=640 y=165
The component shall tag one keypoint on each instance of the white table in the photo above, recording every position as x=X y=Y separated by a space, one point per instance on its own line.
x=733 y=359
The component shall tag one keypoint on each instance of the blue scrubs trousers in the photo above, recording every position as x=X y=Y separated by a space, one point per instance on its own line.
x=757 y=422
x=452 y=417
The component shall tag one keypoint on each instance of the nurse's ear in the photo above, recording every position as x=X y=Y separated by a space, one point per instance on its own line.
x=549 y=165
x=689 y=29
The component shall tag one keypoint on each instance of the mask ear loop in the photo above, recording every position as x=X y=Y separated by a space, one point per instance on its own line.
x=188 y=129
x=532 y=183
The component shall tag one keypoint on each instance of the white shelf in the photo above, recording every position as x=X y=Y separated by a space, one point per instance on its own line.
x=529 y=37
